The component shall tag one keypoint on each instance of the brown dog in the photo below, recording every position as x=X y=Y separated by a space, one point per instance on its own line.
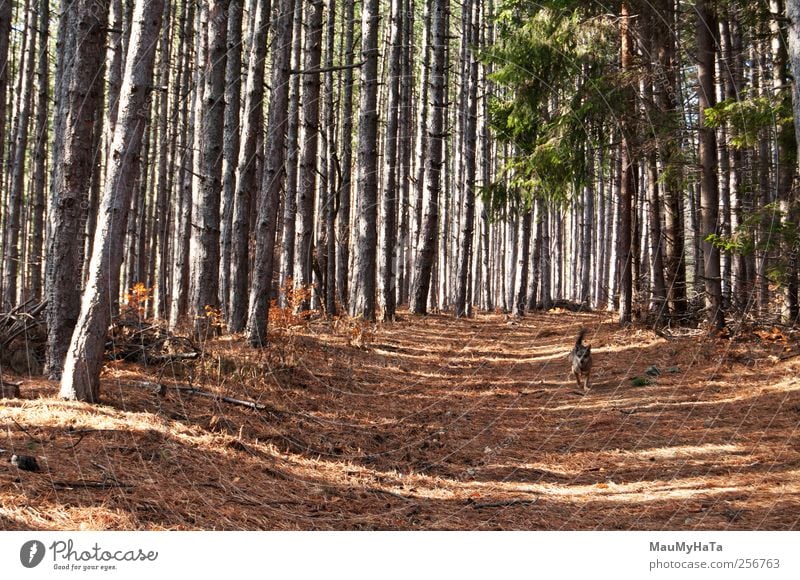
x=581 y=358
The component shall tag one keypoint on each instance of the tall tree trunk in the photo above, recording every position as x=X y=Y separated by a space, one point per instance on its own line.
x=18 y=166
x=81 y=376
x=362 y=290
x=289 y=229
x=625 y=250
x=39 y=153
x=306 y=193
x=204 y=241
x=246 y=182
x=77 y=101
x=470 y=137
x=709 y=193
x=343 y=225
x=161 y=240
x=230 y=147
x=332 y=162
x=389 y=200
x=273 y=178
x=440 y=11
x=183 y=203
x=5 y=35
x=786 y=157
x=793 y=34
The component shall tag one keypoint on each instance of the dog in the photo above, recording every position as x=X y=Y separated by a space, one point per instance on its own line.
x=581 y=358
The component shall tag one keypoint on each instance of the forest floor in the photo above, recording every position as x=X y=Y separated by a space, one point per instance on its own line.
x=426 y=423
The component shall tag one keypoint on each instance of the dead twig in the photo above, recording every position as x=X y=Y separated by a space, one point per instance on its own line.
x=496 y=504
x=28 y=433
x=89 y=484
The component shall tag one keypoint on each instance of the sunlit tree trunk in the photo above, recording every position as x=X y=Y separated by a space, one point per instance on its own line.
x=273 y=178
x=83 y=36
x=81 y=376
x=362 y=290
x=246 y=180
x=423 y=266
x=709 y=192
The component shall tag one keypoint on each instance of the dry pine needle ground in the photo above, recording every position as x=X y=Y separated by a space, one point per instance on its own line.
x=428 y=423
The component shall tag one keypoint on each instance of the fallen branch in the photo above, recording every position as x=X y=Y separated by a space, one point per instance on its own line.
x=161 y=388
x=508 y=503
x=85 y=483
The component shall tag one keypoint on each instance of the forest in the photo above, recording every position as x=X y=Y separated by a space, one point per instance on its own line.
x=326 y=260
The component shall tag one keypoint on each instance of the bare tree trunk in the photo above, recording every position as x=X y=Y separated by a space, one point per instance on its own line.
x=627 y=185
x=81 y=376
x=183 y=203
x=273 y=178
x=18 y=165
x=332 y=162
x=5 y=34
x=246 y=182
x=161 y=239
x=343 y=225
x=440 y=11
x=230 y=147
x=521 y=294
x=306 y=193
x=39 y=154
x=787 y=158
x=204 y=241
x=289 y=230
x=362 y=290
x=471 y=42
x=793 y=34
x=77 y=102
x=388 y=239
x=709 y=193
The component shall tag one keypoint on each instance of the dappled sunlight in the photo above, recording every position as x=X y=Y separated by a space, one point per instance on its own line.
x=412 y=433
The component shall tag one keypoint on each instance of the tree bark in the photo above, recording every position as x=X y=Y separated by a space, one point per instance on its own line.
x=81 y=377
x=423 y=266
x=77 y=100
x=390 y=156
x=204 y=241
x=246 y=182
x=306 y=193
x=709 y=193
x=272 y=180
x=362 y=290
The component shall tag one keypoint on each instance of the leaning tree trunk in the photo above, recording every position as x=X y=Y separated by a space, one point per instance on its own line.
x=274 y=156
x=709 y=194
x=81 y=376
x=435 y=159
x=362 y=291
x=83 y=37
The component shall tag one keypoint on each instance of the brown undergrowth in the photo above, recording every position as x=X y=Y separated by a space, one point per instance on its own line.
x=426 y=423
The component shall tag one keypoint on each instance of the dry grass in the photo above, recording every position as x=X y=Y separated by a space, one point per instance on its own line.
x=428 y=423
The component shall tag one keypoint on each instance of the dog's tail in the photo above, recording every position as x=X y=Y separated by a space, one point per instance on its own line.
x=579 y=339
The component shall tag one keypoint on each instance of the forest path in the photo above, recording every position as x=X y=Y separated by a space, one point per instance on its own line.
x=432 y=423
